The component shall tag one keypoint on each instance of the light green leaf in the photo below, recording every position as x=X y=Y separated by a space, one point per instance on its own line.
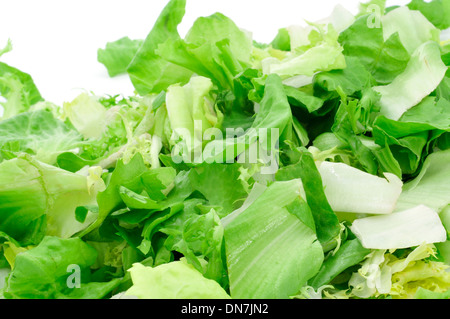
x=37 y=199
x=149 y=72
x=43 y=272
x=351 y=190
x=424 y=72
x=436 y=11
x=18 y=89
x=350 y=253
x=87 y=115
x=383 y=58
x=191 y=111
x=174 y=280
x=117 y=55
x=266 y=241
x=412 y=27
x=322 y=55
x=38 y=133
x=7 y=48
x=214 y=47
x=430 y=187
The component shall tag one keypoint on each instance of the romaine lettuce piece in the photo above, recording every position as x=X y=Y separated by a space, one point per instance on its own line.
x=87 y=115
x=271 y=252
x=424 y=72
x=174 y=280
x=38 y=133
x=321 y=52
x=149 y=72
x=436 y=11
x=399 y=276
x=37 y=199
x=192 y=111
x=326 y=222
x=214 y=47
x=383 y=58
x=404 y=229
x=430 y=187
x=18 y=89
x=349 y=254
x=351 y=190
x=56 y=269
x=117 y=55
x=412 y=28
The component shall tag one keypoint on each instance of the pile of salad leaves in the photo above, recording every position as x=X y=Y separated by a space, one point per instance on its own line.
x=100 y=198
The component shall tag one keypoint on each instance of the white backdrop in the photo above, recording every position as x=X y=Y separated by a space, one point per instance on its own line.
x=56 y=41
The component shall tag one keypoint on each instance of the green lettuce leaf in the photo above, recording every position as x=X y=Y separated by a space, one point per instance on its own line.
x=214 y=47
x=391 y=231
x=266 y=240
x=321 y=52
x=149 y=72
x=429 y=188
x=423 y=293
x=117 y=55
x=18 y=89
x=197 y=233
x=422 y=75
x=56 y=269
x=174 y=280
x=38 y=199
x=87 y=115
x=401 y=20
x=399 y=274
x=38 y=133
x=269 y=128
x=221 y=185
x=191 y=111
x=326 y=222
x=383 y=58
x=436 y=11
x=127 y=176
x=350 y=253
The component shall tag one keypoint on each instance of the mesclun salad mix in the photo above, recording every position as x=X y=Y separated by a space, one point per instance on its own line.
x=314 y=166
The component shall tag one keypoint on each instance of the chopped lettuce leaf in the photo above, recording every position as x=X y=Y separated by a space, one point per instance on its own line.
x=402 y=21
x=324 y=53
x=39 y=199
x=429 y=188
x=117 y=55
x=87 y=115
x=424 y=72
x=383 y=273
x=354 y=191
x=315 y=166
x=150 y=72
x=403 y=229
x=436 y=11
x=18 y=89
x=38 y=133
x=174 y=280
x=260 y=240
x=383 y=58
x=56 y=269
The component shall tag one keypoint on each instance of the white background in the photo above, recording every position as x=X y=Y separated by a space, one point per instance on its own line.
x=56 y=41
